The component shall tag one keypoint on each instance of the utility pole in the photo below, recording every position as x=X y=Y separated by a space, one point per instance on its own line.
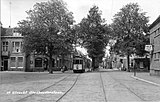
x=10 y=11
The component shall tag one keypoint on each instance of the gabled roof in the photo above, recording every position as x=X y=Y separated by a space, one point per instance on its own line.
x=155 y=22
x=6 y=31
x=9 y=32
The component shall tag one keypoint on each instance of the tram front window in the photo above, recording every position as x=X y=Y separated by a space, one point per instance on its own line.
x=78 y=62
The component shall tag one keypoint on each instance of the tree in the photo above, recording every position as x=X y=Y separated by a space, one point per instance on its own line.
x=93 y=34
x=129 y=26
x=46 y=29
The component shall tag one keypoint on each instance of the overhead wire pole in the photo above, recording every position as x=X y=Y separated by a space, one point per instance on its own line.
x=10 y=11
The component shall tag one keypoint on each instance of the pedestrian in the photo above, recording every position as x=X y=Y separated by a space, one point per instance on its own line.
x=66 y=68
x=135 y=68
x=63 y=69
x=135 y=65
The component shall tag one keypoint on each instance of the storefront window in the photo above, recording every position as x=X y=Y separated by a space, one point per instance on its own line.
x=13 y=62
x=38 y=62
x=20 y=62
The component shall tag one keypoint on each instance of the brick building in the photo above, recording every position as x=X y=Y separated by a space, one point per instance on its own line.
x=155 y=42
x=12 y=57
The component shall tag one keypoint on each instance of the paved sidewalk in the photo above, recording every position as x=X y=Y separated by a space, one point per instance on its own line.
x=142 y=76
x=145 y=76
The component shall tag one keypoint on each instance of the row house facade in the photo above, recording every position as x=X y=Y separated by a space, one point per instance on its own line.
x=12 y=57
x=155 y=42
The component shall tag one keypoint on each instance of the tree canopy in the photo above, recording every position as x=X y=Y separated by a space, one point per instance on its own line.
x=47 y=29
x=93 y=34
x=129 y=27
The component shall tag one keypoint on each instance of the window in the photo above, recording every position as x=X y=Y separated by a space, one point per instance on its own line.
x=77 y=61
x=16 y=46
x=4 y=46
x=141 y=65
x=158 y=54
x=20 y=62
x=38 y=62
x=16 y=34
x=81 y=61
x=155 y=55
x=13 y=61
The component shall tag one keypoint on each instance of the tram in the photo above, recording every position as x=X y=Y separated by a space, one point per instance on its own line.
x=78 y=64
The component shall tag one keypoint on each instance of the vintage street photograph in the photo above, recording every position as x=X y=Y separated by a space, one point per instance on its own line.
x=79 y=50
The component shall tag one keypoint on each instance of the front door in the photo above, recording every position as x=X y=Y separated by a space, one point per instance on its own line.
x=5 y=65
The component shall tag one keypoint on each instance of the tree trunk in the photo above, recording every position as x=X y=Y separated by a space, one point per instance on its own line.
x=27 y=62
x=128 y=62
x=56 y=61
x=62 y=60
x=93 y=63
x=50 y=65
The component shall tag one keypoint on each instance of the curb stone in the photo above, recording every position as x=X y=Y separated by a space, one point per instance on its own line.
x=150 y=82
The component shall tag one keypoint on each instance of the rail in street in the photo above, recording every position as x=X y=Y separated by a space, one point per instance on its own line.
x=62 y=87
x=131 y=91
x=103 y=87
x=100 y=86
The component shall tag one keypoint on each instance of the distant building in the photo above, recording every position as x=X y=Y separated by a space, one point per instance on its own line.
x=155 y=41
x=12 y=57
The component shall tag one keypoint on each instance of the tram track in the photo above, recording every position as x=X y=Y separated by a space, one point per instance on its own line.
x=53 y=85
x=131 y=91
x=103 y=88
x=69 y=89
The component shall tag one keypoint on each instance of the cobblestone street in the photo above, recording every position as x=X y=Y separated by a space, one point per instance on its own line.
x=103 y=86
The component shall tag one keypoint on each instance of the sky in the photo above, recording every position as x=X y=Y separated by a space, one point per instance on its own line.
x=80 y=8
x=14 y=12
